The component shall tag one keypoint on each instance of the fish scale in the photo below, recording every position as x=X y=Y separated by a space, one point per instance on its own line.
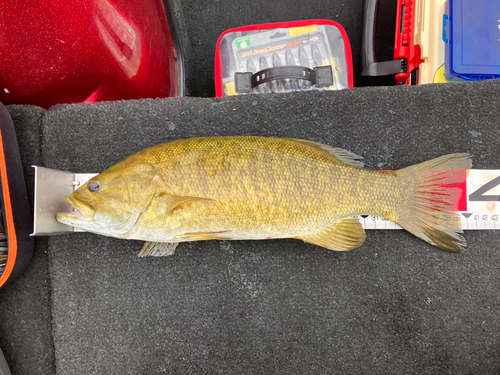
x=305 y=177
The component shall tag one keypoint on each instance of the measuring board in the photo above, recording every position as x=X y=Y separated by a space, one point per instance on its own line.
x=479 y=207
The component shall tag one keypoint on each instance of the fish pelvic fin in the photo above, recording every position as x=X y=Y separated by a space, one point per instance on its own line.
x=345 y=234
x=340 y=155
x=430 y=208
x=158 y=249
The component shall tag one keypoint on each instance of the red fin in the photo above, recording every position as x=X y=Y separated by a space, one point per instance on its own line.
x=436 y=196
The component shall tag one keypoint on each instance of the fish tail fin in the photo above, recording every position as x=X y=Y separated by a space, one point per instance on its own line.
x=429 y=207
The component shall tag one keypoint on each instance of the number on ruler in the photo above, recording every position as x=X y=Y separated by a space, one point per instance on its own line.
x=485 y=217
x=478 y=195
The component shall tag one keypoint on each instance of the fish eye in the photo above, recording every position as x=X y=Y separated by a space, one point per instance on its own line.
x=93 y=186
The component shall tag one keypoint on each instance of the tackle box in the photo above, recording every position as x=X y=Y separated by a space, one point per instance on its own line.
x=471 y=31
x=283 y=57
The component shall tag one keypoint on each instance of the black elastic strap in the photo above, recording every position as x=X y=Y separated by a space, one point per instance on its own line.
x=320 y=76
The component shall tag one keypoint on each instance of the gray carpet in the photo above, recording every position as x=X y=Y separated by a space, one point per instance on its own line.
x=395 y=305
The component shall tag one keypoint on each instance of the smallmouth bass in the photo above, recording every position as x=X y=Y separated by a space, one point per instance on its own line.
x=254 y=188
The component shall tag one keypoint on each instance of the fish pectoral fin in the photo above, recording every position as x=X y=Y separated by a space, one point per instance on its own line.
x=158 y=249
x=345 y=234
x=339 y=154
x=203 y=236
x=175 y=201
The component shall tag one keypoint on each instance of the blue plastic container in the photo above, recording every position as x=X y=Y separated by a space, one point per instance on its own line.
x=471 y=31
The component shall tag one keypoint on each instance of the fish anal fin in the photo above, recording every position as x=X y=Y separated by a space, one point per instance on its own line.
x=203 y=236
x=158 y=249
x=342 y=156
x=345 y=234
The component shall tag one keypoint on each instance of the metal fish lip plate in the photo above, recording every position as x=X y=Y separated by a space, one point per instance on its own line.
x=51 y=186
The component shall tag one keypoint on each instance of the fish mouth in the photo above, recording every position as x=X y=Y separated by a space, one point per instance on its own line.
x=83 y=212
x=80 y=205
x=71 y=218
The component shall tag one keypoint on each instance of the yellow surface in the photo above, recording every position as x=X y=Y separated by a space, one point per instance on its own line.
x=302 y=30
x=231 y=89
x=440 y=75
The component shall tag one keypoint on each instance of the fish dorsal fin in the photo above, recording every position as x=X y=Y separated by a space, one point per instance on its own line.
x=175 y=201
x=158 y=249
x=202 y=236
x=341 y=155
x=345 y=234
